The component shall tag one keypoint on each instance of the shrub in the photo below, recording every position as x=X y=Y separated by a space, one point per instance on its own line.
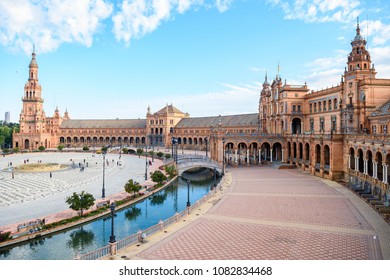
x=4 y=236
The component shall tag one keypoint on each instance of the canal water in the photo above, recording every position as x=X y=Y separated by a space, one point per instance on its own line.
x=68 y=244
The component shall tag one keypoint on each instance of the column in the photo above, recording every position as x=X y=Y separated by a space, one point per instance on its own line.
x=259 y=156
x=247 y=157
x=349 y=161
x=375 y=169
x=365 y=166
x=271 y=155
x=282 y=155
x=235 y=156
x=384 y=168
x=356 y=163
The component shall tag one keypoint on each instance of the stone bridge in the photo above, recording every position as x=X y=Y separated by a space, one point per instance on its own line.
x=187 y=162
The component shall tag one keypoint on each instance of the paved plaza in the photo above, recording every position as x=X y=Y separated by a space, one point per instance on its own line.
x=267 y=213
x=27 y=196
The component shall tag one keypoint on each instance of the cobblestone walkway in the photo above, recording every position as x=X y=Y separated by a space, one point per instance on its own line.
x=279 y=214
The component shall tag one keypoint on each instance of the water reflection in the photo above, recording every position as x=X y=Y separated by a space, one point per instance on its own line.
x=4 y=253
x=132 y=213
x=80 y=239
x=158 y=199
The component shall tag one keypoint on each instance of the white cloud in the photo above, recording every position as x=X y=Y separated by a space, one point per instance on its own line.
x=139 y=17
x=136 y=18
x=326 y=71
x=378 y=32
x=319 y=10
x=48 y=24
x=223 y=5
x=381 y=55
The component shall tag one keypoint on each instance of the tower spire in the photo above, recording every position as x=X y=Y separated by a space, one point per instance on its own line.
x=357 y=27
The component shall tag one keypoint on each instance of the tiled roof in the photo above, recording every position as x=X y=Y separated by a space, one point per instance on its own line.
x=116 y=123
x=233 y=120
x=171 y=109
x=382 y=110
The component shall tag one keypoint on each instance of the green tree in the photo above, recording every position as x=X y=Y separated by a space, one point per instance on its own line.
x=132 y=187
x=160 y=154
x=4 y=236
x=41 y=148
x=104 y=149
x=167 y=156
x=171 y=170
x=6 y=131
x=85 y=148
x=125 y=150
x=15 y=150
x=140 y=152
x=60 y=147
x=80 y=202
x=158 y=177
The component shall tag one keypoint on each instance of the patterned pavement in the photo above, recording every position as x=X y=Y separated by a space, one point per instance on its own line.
x=278 y=215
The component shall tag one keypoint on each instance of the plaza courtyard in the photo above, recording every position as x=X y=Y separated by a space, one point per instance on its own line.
x=268 y=213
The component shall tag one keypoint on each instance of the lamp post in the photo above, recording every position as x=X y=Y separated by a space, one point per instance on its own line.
x=206 y=140
x=146 y=163
x=104 y=172
x=173 y=140
x=215 y=177
x=120 y=148
x=223 y=156
x=188 y=194
x=153 y=149
x=112 y=208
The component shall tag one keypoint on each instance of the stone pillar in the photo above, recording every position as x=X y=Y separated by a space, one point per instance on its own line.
x=271 y=155
x=365 y=166
x=349 y=161
x=384 y=171
x=282 y=155
x=259 y=156
x=235 y=156
x=112 y=248
x=375 y=170
x=247 y=157
x=356 y=163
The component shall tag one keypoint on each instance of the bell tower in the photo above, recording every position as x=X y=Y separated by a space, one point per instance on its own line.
x=359 y=59
x=32 y=133
x=32 y=117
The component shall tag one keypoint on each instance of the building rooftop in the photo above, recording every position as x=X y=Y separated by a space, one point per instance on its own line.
x=116 y=123
x=382 y=110
x=233 y=120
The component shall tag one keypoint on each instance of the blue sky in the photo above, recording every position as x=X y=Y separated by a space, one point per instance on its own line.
x=111 y=59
